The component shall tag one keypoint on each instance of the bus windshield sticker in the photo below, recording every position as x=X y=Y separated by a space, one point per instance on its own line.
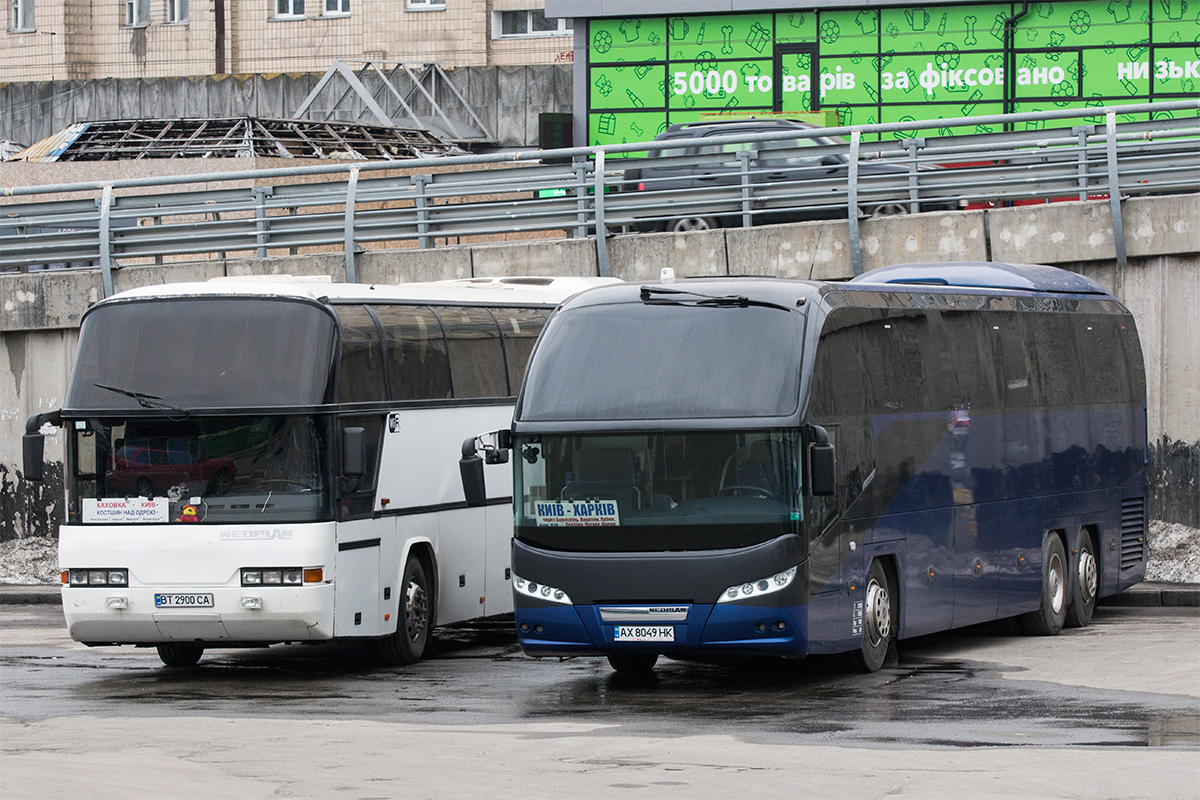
x=577 y=513
x=121 y=509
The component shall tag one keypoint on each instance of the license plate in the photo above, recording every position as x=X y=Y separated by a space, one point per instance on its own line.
x=183 y=600
x=644 y=633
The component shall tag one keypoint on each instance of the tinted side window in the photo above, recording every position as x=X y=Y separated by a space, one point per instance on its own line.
x=358 y=494
x=1054 y=354
x=972 y=360
x=1016 y=377
x=1102 y=355
x=415 y=350
x=476 y=357
x=841 y=381
x=903 y=356
x=361 y=371
x=519 y=329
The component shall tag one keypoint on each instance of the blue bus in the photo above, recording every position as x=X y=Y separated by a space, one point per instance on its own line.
x=755 y=466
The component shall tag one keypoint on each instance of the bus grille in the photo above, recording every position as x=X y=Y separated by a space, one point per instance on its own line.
x=1133 y=532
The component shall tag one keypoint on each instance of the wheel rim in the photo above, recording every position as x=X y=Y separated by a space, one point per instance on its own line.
x=691 y=224
x=416 y=611
x=889 y=210
x=1088 y=576
x=1055 y=580
x=878 y=612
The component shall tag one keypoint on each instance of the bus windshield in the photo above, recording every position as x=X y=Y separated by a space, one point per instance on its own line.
x=680 y=356
x=253 y=469
x=188 y=353
x=657 y=491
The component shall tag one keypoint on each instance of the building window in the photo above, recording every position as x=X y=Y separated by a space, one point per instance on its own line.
x=177 y=10
x=22 y=15
x=289 y=8
x=335 y=8
x=506 y=24
x=137 y=12
x=426 y=5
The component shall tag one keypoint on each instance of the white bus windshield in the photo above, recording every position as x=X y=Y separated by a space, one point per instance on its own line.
x=255 y=469
x=194 y=353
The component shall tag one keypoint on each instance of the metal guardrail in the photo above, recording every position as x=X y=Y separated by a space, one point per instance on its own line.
x=579 y=191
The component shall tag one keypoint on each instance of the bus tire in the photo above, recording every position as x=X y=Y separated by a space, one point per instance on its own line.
x=180 y=655
x=1052 y=613
x=1087 y=583
x=879 y=619
x=407 y=643
x=633 y=663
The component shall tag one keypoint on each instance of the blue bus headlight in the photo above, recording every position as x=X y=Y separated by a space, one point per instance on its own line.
x=540 y=591
x=744 y=591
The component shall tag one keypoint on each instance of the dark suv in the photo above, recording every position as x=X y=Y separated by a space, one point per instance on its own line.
x=785 y=172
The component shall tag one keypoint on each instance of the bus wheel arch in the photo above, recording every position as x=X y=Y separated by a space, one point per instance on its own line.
x=880 y=617
x=1085 y=580
x=415 y=610
x=1051 y=614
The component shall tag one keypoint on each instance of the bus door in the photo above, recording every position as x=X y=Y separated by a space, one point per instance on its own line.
x=795 y=68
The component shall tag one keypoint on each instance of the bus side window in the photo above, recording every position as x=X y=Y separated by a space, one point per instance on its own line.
x=360 y=377
x=415 y=351
x=476 y=356
x=519 y=329
x=358 y=495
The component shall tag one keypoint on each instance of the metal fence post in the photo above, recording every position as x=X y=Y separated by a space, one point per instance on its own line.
x=106 y=266
x=419 y=182
x=914 y=184
x=601 y=231
x=1081 y=133
x=261 y=227
x=581 y=195
x=747 y=194
x=852 y=203
x=1114 y=192
x=351 y=190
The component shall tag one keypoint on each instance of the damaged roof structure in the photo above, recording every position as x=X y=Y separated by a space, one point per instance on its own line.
x=241 y=137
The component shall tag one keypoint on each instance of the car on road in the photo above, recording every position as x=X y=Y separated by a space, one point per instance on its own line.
x=804 y=177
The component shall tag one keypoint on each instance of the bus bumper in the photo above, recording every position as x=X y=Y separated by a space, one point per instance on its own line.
x=721 y=629
x=238 y=615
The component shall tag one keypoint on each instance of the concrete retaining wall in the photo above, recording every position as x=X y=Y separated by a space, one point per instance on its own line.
x=507 y=100
x=41 y=312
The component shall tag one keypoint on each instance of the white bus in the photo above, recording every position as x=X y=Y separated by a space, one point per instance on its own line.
x=257 y=461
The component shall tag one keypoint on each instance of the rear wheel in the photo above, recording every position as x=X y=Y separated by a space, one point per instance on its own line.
x=686 y=224
x=1052 y=613
x=633 y=663
x=1087 y=582
x=878 y=622
x=180 y=655
x=407 y=643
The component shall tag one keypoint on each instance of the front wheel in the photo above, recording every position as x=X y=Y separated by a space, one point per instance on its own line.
x=180 y=655
x=687 y=224
x=407 y=643
x=878 y=622
x=1052 y=613
x=1087 y=583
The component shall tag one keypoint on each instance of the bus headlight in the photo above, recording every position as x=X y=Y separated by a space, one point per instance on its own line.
x=96 y=577
x=540 y=591
x=280 y=576
x=744 y=591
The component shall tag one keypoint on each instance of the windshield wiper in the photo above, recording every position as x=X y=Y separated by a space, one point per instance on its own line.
x=713 y=301
x=144 y=400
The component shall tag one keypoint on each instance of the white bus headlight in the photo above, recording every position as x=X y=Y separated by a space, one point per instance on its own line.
x=96 y=577
x=540 y=591
x=744 y=591
x=281 y=576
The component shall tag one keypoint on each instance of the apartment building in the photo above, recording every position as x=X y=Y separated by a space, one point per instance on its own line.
x=54 y=40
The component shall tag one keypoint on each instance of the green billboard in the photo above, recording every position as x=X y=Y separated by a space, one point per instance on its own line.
x=895 y=64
